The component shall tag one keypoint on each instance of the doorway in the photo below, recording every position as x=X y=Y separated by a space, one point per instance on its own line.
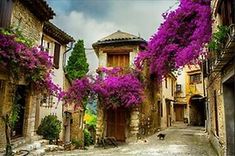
x=229 y=102
x=179 y=112
x=116 y=123
x=197 y=110
x=19 y=104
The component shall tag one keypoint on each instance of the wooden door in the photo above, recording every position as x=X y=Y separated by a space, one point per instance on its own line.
x=116 y=123
x=179 y=112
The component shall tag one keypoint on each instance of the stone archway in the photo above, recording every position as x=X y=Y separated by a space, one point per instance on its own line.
x=197 y=110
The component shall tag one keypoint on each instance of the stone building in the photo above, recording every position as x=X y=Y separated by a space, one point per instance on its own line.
x=189 y=103
x=119 y=50
x=219 y=78
x=55 y=42
x=29 y=16
x=73 y=119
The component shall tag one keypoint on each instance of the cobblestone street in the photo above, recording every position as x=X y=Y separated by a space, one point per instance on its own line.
x=180 y=140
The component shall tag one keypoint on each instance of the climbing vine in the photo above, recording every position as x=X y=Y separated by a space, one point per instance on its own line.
x=114 y=88
x=179 y=40
x=25 y=62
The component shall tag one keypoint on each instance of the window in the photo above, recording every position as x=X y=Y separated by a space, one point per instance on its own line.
x=5 y=13
x=172 y=87
x=56 y=60
x=47 y=101
x=216 y=114
x=161 y=109
x=118 y=60
x=195 y=78
x=178 y=88
x=166 y=82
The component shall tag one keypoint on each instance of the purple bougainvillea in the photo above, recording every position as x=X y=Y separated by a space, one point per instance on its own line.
x=119 y=90
x=32 y=64
x=114 y=89
x=180 y=39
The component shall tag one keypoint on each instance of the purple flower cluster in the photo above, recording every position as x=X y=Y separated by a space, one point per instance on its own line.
x=33 y=64
x=78 y=92
x=114 y=89
x=180 y=39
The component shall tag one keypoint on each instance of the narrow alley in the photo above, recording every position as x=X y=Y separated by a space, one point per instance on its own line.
x=179 y=140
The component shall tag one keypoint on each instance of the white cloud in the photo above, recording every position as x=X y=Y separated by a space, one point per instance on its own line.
x=135 y=17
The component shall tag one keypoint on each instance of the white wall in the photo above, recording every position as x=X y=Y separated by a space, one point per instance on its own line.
x=58 y=78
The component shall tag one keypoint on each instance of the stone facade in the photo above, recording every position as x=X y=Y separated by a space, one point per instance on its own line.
x=31 y=28
x=27 y=22
x=190 y=89
x=73 y=120
x=220 y=84
x=141 y=120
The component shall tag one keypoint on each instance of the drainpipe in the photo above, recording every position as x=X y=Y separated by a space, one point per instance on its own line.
x=64 y=55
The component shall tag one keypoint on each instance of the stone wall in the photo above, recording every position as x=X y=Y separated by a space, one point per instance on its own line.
x=29 y=24
x=215 y=85
x=76 y=132
x=100 y=122
x=31 y=28
x=133 y=130
x=29 y=115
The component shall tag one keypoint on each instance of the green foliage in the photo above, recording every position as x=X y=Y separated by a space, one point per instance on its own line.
x=218 y=38
x=19 y=36
x=50 y=128
x=14 y=114
x=77 y=65
x=77 y=143
x=87 y=138
x=90 y=119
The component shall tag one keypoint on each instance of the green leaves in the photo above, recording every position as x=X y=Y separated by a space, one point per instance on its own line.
x=50 y=128
x=218 y=38
x=77 y=65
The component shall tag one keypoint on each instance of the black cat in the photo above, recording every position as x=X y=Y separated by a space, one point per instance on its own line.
x=161 y=136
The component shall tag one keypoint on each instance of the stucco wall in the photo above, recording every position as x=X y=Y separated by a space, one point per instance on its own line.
x=167 y=95
x=58 y=78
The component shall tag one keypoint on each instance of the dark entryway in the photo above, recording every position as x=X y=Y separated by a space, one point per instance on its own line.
x=19 y=102
x=179 y=112
x=197 y=111
x=229 y=102
x=116 y=123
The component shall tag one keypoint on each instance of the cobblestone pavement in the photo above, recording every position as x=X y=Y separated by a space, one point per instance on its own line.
x=180 y=140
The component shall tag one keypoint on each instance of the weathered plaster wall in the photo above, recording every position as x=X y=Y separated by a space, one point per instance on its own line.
x=167 y=95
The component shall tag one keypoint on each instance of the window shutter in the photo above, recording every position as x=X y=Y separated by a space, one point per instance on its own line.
x=57 y=55
x=5 y=13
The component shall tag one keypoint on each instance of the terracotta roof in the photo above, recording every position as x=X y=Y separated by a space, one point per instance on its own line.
x=56 y=33
x=119 y=37
x=39 y=8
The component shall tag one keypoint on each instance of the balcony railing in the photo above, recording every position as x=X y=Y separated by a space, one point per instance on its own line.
x=227 y=53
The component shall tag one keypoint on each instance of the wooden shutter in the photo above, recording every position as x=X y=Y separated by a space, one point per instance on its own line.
x=118 y=60
x=5 y=13
x=56 y=56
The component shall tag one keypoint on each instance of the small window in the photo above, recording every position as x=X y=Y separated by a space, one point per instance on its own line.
x=178 y=88
x=166 y=82
x=195 y=78
x=56 y=60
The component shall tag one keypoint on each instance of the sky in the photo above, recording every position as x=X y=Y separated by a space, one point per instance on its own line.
x=92 y=20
